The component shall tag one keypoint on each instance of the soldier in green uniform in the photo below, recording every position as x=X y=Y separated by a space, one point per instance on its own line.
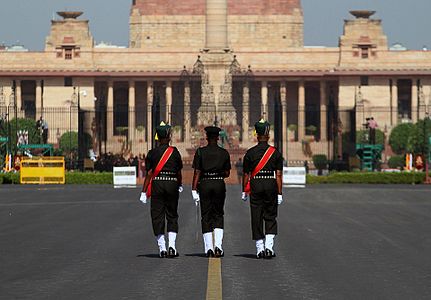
x=212 y=166
x=163 y=183
x=263 y=167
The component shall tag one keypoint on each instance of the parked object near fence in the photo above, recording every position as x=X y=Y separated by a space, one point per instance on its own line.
x=42 y=170
x=294 y=177
x=124 y=177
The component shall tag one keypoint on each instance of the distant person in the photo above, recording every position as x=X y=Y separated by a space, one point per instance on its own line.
x=211 y=166
x=238 y=166
x=45 y=131
x=263 y=170
x=39 y=129
x=163 y=183
x=372 y=126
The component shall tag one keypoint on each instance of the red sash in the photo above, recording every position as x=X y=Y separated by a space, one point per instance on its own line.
x=263 y=161
x=159 y=167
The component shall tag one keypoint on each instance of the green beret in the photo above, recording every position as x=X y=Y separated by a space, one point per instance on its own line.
x=163 y=130
x=262 y=127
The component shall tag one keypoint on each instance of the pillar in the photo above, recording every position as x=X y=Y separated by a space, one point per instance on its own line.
x=414 y=100
x=132 y=113
x=149 y=111
x=323 y=112
x=38 y=99
x=168 y=110
x=394 y=103
x=285 y=138
x=216 y=24
x=245 y=112
x=18 y=92
x=264 y=95
x=110 y=111
x=187 y=113
x=301 y=110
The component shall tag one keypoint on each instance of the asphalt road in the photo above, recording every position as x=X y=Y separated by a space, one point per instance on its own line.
x=334 y=242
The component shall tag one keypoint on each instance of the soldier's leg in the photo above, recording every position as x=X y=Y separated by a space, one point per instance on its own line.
x=218 y=216
x=256 y=208
x=158 y=211
x=172 y=196
x=205 y=192
x=270 y=217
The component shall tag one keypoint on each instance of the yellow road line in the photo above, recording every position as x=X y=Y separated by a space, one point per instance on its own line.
x=214 y=283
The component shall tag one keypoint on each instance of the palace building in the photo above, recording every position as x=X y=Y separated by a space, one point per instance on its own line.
x=195 y=63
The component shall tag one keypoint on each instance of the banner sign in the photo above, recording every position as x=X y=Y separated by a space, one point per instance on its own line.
x=124 y=177
x=294 y=176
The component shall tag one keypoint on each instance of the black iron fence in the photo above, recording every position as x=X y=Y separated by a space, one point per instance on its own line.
x=122 y=135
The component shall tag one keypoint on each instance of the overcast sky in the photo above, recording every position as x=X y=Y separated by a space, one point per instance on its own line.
x=28 y=21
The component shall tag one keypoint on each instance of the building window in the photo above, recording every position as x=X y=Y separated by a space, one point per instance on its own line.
x=364 y=80
x=68 y=81
x=68 y=54
x=364 y=52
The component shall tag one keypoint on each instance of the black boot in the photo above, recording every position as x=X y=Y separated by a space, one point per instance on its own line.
x=269 y=254
x=260 y=255
x=218 y=252
x=172 y=253
x=163 y=254
x=210 y=253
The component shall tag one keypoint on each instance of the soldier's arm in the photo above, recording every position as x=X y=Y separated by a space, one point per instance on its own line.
x=180 y=177
x=245 y=179
x=147 y=180
x=279 y=177
x=196 y=177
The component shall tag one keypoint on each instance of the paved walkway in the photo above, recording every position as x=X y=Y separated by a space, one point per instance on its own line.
x=334 y=242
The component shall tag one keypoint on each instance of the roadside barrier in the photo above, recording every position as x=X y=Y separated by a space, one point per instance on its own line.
x=42 y=170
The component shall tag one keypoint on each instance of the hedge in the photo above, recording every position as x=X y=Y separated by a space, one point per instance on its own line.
x=71 y=178
x=89 y=178
x=370 y=178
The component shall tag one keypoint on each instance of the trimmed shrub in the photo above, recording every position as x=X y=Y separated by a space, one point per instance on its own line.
x=368 y=178
x=9 y=178
x=397 y=162
x=360 y=136
x=320 y=162
x=89 y=178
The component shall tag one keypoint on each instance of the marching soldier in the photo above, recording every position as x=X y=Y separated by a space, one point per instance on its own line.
x=163 y=183
x=212 y=166
x=262 y=185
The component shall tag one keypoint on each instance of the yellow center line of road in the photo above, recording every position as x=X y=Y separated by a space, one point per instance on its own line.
x=214 y=284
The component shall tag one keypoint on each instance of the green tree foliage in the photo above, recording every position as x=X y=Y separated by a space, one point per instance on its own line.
x=69 y=142
x=418 y=139
x=400 y=136
x=23 y=125
x=360 y=136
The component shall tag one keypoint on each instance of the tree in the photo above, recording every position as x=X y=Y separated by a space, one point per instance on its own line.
x=418 y=139
x=320 y=162
x=400 y=136
x=69 y=143
x=23 y=125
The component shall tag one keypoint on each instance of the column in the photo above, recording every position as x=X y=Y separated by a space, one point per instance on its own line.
x=323 y=112
x=132 y=113
x=414 y=100
x=187 y=113
x=245 y=112
x=168 y=110
x=394 y=103
x=149 y=111
x=38 y=99
x=216 y=24
x=301 y=110
x=18 y=92
x=110 y=111
x=283 y=96
x=264 y=95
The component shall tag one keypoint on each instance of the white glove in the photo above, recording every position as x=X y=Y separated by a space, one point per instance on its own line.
x=196 y=197
x=180 y=189
x=280 y=199
x=143 y=198
x=245 y=197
